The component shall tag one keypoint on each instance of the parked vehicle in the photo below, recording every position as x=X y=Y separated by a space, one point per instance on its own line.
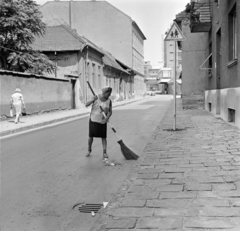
x=158 y=92
x=152 y=93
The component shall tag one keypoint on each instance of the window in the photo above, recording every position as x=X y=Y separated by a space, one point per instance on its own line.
x=93 y=76
x=210 y=52
x=232 y=34
x=99 y=78
x=235 y=35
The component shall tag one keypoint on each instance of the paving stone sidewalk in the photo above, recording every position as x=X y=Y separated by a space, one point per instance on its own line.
x=187 y=180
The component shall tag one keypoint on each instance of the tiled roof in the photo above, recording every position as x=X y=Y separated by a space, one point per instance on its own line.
x=108 y=59
x=91 y=44
x=58 y=38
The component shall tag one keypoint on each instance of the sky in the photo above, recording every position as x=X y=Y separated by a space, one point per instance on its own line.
x=154 y=18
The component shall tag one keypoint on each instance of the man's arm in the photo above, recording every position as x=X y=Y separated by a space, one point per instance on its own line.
x=91 y=101
x=110 y=111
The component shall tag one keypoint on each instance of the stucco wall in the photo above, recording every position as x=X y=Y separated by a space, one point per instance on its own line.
x=193 y=55
x=229 y=99
x=228 y=76
x=40 y=93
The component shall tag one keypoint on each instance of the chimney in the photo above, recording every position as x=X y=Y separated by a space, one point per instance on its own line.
x=71 y=13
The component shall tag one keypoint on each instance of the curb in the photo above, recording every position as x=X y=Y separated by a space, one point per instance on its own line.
x=29 y=127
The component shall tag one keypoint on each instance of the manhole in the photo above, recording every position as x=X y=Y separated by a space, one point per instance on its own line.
x=88 y=208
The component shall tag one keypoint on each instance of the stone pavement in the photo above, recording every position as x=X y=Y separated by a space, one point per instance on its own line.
x=8 y=127
x=187 y=180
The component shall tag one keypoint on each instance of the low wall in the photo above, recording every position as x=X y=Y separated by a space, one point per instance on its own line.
x=220 y=102
x=40 y=93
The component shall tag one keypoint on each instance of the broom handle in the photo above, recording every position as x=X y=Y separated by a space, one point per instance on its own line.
x=91 y=88
x=104 y=112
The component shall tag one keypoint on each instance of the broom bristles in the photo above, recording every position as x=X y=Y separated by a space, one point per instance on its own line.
x=127 y=153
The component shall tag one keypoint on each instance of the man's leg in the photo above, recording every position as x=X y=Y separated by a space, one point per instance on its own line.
x=104 y=144
x=17 y=118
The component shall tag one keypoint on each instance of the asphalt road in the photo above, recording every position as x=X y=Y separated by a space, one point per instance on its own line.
x=44 y=173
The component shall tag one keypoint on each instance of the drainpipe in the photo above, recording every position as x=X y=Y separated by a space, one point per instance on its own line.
x=86 y=74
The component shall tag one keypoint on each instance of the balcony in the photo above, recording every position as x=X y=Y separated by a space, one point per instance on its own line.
x=200 y=16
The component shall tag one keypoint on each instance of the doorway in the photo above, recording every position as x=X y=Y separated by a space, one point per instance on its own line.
x=218 y=71
x=73 y=102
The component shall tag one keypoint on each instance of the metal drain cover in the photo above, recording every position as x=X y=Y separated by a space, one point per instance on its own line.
x=88 y=208
x=177 y=130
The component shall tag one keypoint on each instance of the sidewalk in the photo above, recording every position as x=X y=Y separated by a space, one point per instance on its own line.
x=34 y=121
x=188 y=180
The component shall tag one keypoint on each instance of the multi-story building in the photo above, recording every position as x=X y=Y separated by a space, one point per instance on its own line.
x=107 y=27
x=151 y=76
x=165 y=73
x=147 y=67
x=210 y=66
x=169 y=55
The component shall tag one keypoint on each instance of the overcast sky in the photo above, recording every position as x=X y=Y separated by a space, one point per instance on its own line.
x=153 y=17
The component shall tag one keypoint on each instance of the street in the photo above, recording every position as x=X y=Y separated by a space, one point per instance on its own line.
x=45 y=172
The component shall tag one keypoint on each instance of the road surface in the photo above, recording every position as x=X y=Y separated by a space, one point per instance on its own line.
x=45 y=172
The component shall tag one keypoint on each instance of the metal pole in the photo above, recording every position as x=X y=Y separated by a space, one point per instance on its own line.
x=174 y=84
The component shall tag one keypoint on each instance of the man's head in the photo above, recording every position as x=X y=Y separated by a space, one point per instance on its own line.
x=106 y=91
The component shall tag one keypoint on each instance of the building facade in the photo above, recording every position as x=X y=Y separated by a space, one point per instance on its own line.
x=107 y=27
x=222 y=93
x=79 y=60
x=165 y=76
x=210 y=56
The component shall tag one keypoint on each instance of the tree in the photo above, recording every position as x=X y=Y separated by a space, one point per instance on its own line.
x=20 y=22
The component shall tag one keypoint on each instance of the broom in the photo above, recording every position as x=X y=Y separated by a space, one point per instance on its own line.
x=127 y=153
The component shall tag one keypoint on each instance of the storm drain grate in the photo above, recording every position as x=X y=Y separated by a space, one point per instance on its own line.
x=88 y=208
x=177 y=130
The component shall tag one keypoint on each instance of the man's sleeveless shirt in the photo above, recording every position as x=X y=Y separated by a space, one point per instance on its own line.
x=96 y=114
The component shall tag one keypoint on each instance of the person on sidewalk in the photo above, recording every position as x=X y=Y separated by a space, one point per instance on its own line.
x=17 y=102
x=97 y=121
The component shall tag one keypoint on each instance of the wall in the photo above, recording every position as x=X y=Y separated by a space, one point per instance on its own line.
x=229 y=99
x=39 y=92
x=138 y=50
x=228 y=76
x=193 y=55
x=223 y=88
x=70 y=64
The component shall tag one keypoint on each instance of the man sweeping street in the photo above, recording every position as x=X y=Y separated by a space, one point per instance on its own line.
x=97 y=121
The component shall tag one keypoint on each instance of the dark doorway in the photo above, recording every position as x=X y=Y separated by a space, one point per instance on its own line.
x=73 y=82
x=218 y=71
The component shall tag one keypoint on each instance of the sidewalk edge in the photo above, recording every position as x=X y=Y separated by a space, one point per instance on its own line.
x=37 y=125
